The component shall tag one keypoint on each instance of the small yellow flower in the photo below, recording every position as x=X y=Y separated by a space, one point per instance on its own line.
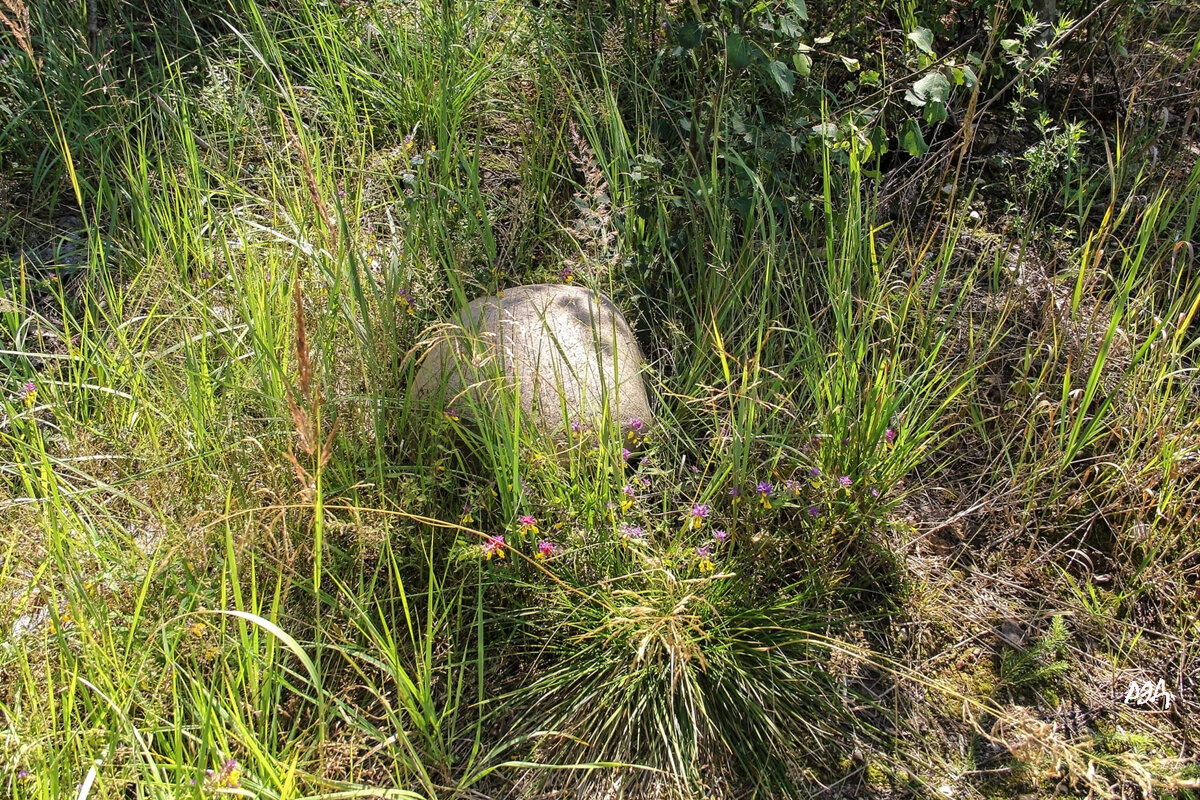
x=232 y=779
x=494 y=546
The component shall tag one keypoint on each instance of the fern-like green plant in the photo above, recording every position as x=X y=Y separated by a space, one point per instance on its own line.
x=1040 y=663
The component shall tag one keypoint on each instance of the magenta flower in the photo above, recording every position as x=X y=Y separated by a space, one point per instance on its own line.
x=625 y=454
x=527 y=524
x=28 y=394
x=230 y=776
x=493 y=546
x=813 y=511
x=792 y=486
x=628 y=490
x=889 y=436
x=815 y=472
x=636 y=425
x=765 y=488
x=845 y=480
x=632 y=532
x=875 y=493
x=704 y=550
x=697 y=516
x=720 y=535
x=545 y=549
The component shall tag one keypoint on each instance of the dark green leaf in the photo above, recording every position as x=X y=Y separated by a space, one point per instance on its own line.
x=790 y=27
x=783 y=76
x=690 y=35
x=912 y=140
x=878 y=139
x=799 y=9
x=737 y=51
x=741 y=205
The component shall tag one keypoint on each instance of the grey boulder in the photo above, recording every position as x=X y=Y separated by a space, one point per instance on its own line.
x=565 y=352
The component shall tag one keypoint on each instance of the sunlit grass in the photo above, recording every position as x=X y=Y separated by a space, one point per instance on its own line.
x=240 y=556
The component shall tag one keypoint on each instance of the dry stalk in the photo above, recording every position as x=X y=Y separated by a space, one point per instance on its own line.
x=311 y=180
x=593 y=229
x=307 y=420
x=15 y=16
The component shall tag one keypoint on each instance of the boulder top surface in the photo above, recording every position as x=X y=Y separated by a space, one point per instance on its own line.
x=566 y=351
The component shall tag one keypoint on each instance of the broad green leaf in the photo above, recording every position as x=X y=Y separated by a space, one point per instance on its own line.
x=878 y=139
x=912 y=140
x=826 y=130
x=935 y=112
x=934 y=87
x=799 y=8
x=690 y=35
x=783 y=76
x=740 y=205
x=802 y=63
x=790 y=27
x=737 y=51
x=826 y=39
x=923 y=39
x=869 y=78
x=1011 y=46
x=850 y=63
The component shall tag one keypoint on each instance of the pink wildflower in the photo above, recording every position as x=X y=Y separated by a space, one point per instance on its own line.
x=493 y=546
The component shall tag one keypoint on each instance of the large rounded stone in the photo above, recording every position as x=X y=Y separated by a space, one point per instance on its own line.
x=565 y=351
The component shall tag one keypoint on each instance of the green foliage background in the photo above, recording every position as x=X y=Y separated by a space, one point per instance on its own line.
x=915 y=516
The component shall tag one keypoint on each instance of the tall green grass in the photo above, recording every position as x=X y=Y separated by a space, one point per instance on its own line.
x=243 y=557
